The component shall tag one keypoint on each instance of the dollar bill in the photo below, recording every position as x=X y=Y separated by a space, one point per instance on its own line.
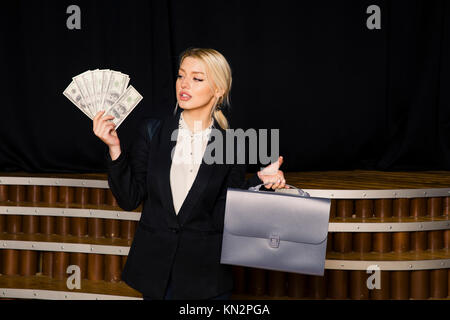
x=106 y=77
x=116 y=87
x=124 y=105
x=97 y=77
x=73 y=93
x=84 y=92
x=89 y=85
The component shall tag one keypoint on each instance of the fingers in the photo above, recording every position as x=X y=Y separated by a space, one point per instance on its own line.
x=279 y=184
x=276 y=181
x=273 y=167
x=272 y=177
x=106 y=129
x=107 y=118
x=96 y=119
x=98 y=115
x=283 y=180
x=276 y=184
x=271 y=183
x=100 y=123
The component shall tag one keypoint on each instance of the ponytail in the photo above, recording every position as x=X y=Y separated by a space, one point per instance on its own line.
x=220 y=118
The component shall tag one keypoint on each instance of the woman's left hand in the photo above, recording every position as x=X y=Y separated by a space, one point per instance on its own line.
x=272 y=177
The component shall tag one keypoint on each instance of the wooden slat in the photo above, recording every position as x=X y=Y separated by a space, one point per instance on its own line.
x=267 y=297
x=65 y=239
x=40 y=282
x=390 y=256
x=64 y=205
x=389 y=220
x=92 y=176
x=370 y=180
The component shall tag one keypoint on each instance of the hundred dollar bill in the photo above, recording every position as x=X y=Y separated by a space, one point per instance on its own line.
x=127 y=80
x=84 y=92
x=124 y=105
x=116 y=87
x=105 y=82
x=89 y=85
x=97 y=77
x=73 y=93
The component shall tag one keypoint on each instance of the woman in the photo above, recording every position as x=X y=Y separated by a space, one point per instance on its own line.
x=176 y=250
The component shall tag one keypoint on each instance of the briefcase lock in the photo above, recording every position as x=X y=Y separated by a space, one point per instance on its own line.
x=274 y=241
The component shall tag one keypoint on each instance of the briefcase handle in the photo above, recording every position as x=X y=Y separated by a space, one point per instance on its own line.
x=300 y=191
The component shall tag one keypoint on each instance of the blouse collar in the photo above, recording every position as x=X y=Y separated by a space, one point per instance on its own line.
x=183 y=125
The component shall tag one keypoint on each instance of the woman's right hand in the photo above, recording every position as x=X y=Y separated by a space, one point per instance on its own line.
x=105 y=130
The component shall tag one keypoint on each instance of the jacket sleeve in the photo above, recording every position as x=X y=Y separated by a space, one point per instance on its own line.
x=235 y=179
x=128 y=173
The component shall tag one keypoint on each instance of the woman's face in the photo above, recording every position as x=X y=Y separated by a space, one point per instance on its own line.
x=192 y=87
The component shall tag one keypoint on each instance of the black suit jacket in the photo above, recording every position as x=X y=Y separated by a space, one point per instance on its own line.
x=186 y=246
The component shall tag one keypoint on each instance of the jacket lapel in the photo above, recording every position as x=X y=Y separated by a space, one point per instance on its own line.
x=199 y=185
x=167 y=145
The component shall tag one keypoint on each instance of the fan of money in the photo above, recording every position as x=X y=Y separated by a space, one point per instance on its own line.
x=108 y=90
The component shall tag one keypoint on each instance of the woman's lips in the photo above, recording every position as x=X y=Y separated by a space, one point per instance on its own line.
x=184 y=96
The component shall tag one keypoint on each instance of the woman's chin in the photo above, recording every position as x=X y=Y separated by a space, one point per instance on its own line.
x=186 y=106
x=190 y=106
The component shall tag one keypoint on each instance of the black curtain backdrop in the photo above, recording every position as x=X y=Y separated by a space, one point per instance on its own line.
x=343 y=96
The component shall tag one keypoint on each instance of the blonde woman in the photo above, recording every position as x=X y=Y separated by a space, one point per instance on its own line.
x=176 y=250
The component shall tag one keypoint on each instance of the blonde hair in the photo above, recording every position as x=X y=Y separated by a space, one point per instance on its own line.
x=219 y=72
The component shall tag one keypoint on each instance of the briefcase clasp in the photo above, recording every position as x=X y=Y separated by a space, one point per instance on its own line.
x=274 y=241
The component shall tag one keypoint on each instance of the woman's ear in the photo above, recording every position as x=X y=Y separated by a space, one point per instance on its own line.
x=219 y=93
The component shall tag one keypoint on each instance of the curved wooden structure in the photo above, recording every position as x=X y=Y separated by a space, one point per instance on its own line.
x=397 y=223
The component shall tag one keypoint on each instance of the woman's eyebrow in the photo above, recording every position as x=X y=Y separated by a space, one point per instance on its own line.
x=181 y=69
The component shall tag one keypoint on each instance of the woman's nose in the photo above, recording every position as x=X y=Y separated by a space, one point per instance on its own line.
x=184 y=83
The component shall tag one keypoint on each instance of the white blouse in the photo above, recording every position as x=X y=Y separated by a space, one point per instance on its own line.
x=186 y=160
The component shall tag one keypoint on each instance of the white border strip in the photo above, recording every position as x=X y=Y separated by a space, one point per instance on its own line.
x=58 y=295
x=388 y=227
x=87 y=183
x=379 y=194
x=64 y=247
x=319 y=193
x=387 y=265
x=71 y=212
x=329 y=263
x=135 y=216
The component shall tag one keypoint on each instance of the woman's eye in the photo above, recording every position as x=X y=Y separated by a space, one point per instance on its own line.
x=196 y=79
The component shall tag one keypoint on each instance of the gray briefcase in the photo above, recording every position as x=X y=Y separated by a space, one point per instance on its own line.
x=275 y=230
